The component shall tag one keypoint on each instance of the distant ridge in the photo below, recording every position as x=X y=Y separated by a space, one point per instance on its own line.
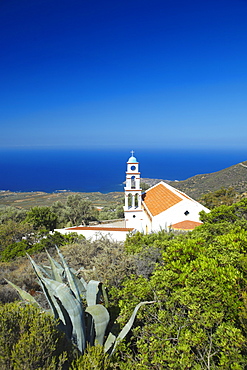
x=195 y=186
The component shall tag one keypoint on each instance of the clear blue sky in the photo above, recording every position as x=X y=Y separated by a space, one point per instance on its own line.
x=123 y=73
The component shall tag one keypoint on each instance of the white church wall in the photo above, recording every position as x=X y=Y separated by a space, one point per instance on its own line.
x=182 y=211
x=134 y=219
x=146 y=226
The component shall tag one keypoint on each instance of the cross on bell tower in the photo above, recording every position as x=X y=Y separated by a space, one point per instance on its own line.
x=132 y=208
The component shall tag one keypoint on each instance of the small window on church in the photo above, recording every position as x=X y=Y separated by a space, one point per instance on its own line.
x=133 y=168
x=186 y=213
x=134 y=216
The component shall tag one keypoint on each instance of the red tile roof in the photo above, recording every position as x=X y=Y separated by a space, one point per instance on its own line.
x=184 y=195
x=159 y=198
x=186 y=225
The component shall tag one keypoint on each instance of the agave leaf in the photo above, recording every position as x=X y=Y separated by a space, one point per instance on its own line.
x=80 y=283
x=59 y=311
x=101 y=319
x=104 y=294
x=73 y=270
x=24 y=295
x=84 y=283
x=65 y=325
x=75 y=326
x=56 y=269
x=92 y=292
x=111 y=339
x=81 y=286
x=128 y=326
x=58 y=314
x=72 y=279
x=57 y=264
x=46 y=271
x=40 y=272
x=73 y=308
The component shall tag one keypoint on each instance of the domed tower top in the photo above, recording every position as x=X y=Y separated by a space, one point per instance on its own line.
x=133 y=164
x=132 y=159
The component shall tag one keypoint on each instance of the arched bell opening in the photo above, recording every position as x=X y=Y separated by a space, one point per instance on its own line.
x=133 y=182
x=130 y=200
x=136 y=201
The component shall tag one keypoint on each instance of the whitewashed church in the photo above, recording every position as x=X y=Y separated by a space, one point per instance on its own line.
x=160 y=207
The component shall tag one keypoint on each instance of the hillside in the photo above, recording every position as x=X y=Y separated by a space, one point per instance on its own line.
x=26 y=200
x=234 y=176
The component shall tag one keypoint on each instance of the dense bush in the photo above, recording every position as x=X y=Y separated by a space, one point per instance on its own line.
x=12 y=214
x=198 y=281
x=103 y=260
x=226 y=196
x=93 y=358
x=200 y=318
x=42 y=217
x=111 y=213
x=36 y=242
x=30 y=340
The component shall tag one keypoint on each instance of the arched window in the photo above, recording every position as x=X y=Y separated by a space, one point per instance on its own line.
x=136 y=200
x=133 y=182
x=130 y=200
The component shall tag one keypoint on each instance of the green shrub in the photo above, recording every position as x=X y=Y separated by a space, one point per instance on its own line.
x=30 y=340
x=17 y=249
x=93 y=358
x=39 y=242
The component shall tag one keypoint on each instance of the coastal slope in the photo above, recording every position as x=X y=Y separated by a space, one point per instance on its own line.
x=195 y=186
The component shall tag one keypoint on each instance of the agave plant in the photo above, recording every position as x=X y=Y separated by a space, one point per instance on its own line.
x=77 y=305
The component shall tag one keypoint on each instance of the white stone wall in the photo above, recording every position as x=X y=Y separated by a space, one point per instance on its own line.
x=119 y=236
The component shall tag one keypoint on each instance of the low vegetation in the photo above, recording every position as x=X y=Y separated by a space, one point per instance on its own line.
x=197 y=281
x=27 y=200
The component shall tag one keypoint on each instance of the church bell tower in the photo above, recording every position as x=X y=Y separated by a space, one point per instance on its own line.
x=132 y=209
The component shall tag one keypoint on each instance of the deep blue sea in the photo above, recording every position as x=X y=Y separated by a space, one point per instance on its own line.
x=103 y=170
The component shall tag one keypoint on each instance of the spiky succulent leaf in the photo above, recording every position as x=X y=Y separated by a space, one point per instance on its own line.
x=65 y=325
x=74 y=309
x=80 y=283
x=50 y=299
x=24 y=295
x=128 y=326
x=92 y=292
x=46 y=271
x=57 y=312
x=111 y=339
x=56 y=269
x=71 y=278
x=104 y=294
x=39 y=270
x=101 y=319
x=84 y=283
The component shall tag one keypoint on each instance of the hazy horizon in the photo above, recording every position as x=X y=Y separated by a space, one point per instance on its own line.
x=104 y=170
